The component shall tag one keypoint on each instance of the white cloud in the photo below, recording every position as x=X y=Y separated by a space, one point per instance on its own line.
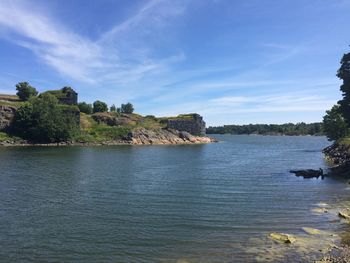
x=110 y=58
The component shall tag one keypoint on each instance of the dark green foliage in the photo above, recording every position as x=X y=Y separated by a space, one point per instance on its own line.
x=113 y=108
x=99 y=106
x=344 y=74
x=334 y=124
x=127 y=108
x=119 y=110
x=85 y=107
x=269 y=129
x=25 y=91
x=42 y=119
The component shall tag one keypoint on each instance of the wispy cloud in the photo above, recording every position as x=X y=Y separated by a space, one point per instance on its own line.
x=83 y=59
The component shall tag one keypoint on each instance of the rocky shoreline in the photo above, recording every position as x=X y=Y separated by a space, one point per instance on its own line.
x=338 y=156
x=139 y=136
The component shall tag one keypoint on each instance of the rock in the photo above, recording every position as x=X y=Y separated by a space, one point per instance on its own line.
x=111 y=119
x=7 y=113
x=344 y=215
x=284 y=238
x=163 y=136
x=319 y=210
x=338 y=155
x=311 y=231
x=309 y=173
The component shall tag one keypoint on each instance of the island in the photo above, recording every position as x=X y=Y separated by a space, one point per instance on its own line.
x=55 y=117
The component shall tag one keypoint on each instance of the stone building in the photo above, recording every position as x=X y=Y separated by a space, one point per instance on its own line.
x=191 y=123
x=65 y=95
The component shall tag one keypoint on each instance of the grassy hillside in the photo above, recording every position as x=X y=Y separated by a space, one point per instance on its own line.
x=10 y=100
x=109 y=126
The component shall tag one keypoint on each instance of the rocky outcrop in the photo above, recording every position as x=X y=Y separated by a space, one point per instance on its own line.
x=338 y=155
x=164 y=136
x=283 y=238
x=111 y=119
x=7 y=114
x=191 y=123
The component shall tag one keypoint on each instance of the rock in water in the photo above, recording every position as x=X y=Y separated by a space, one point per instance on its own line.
x=312 y=231
x=308 y=173
x=284 y=238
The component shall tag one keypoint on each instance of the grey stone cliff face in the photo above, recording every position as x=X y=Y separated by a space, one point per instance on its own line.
x=194 y=125
x=7 y=113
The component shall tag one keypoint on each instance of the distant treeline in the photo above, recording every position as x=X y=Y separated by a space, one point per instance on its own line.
x=270 y=129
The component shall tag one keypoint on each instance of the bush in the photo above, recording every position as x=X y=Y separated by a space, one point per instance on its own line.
x=25 y=91
x=85 y=107
x=100 y=106
x=127 y=108
x=42 y=119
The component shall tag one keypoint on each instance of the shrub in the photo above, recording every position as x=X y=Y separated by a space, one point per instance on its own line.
x=85 y=107
x=42 y=119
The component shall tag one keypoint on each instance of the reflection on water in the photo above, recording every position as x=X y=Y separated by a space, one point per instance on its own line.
x=200 y=203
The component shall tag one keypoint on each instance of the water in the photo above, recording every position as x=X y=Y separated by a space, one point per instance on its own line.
x=199 y=203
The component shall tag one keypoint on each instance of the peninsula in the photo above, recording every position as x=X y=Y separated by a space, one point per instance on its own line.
x=55 y=117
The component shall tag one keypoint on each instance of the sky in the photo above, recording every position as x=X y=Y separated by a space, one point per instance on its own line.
x=232 y=61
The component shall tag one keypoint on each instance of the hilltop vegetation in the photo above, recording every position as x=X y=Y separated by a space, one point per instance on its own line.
x=270 y=129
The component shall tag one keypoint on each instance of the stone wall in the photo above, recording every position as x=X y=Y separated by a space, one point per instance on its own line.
x=192 y=124
x=7 y=114
x=71 y=98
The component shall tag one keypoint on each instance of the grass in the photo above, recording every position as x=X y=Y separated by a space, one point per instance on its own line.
x=15 y=104
x=5 y=137
x=91 y=131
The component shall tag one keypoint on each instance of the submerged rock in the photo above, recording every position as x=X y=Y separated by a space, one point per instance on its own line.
x=308 y=173
x=319 y=210
x=284 y=238
x=312 y=231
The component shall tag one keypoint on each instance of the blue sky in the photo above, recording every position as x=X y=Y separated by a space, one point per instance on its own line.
x=232 y=61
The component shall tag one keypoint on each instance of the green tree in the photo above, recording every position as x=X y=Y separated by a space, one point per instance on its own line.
x=344 y=74
x=85 y=107
x=43 y=119
x=334 y=124
x=25 y=91
x=127 y=108
x=113 y=108
x=100 y=106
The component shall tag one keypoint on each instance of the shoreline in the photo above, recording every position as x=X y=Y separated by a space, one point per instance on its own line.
x=182 y=138
x=96 y=144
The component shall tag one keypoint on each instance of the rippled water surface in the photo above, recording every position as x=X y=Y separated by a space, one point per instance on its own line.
x=197 y=203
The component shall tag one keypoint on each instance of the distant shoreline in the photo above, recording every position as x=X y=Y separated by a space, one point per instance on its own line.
x=270 y=129
x=269 y=134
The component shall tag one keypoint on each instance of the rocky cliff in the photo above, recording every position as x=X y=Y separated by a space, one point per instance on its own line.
x=7 y=114
x=191 y=123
